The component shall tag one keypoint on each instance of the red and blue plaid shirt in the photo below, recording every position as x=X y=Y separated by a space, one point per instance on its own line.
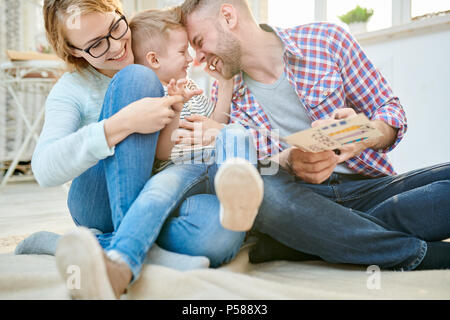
x=329 y=71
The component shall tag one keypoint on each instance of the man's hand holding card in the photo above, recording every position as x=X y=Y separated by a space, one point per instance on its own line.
x=359 y=139
x=312 y=158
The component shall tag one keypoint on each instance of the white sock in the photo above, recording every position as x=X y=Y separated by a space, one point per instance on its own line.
x=181 y=262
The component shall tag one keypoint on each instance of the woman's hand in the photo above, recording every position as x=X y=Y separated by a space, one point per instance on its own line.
x=151 y=115
x=145 y=116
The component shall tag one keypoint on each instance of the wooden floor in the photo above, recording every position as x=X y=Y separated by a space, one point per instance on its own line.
x=26 y=208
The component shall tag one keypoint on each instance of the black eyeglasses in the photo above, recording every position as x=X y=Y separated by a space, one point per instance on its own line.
x=102 y=45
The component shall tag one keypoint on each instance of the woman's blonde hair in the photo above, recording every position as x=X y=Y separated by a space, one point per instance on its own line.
x=56 y=13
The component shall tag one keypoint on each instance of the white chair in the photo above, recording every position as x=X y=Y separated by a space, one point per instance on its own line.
x=27 y=83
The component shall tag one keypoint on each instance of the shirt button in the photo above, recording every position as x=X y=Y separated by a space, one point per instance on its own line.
x=241 y=91
x=326 y=93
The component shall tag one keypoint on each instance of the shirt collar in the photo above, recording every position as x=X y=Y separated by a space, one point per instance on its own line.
x=285 y=37
x=240 y=88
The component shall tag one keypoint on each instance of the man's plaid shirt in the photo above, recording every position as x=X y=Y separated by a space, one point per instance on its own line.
x=329 y=71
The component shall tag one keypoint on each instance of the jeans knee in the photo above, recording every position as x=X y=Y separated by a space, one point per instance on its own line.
x=223 y=248
x=136 y=71
x=138 y=79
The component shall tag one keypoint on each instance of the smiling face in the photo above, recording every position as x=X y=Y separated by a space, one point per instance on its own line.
x=174 y=59
x=93 y=26
x=215 y=45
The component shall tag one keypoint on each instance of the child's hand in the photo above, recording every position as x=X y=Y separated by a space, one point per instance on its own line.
x=178 y=88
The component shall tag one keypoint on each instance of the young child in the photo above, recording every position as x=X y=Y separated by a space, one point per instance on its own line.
x=160 y=42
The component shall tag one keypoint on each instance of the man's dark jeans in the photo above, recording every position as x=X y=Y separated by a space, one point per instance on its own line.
x=352 y=219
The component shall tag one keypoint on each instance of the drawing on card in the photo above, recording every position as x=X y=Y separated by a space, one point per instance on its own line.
x=327 y=137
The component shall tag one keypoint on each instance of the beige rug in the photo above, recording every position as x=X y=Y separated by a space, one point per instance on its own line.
x=36 y=277
x=26 y=208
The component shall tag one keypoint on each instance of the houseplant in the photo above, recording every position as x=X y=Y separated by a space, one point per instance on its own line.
x=357 y=19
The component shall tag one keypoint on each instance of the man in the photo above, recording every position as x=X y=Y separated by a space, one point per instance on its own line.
x=347 y=208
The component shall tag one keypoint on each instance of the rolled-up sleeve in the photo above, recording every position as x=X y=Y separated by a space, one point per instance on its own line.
x=367 y=91
x=65 y=150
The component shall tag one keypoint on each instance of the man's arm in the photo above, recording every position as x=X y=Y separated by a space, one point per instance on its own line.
x=367 y=91
x=221 y=96
x=223 y=105
x=389 y=137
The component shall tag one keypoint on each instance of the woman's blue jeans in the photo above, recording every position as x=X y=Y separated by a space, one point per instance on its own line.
x=118 y=197
x=352 y=219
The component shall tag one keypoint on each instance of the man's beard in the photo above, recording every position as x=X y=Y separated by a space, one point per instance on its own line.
x=229 y=51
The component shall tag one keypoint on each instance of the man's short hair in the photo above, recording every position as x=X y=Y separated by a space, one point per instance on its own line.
x=150 y=30
x=190 y=6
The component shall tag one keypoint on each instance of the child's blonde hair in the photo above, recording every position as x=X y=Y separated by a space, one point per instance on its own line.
x=56 y=13
x=149 y=30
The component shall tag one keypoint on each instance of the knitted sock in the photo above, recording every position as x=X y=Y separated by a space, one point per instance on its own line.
x=177 y=261
x=437 y=256
x=268 y=249
x=42 y=242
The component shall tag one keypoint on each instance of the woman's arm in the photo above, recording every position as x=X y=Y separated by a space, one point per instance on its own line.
x=144 y=116
x=65 y=150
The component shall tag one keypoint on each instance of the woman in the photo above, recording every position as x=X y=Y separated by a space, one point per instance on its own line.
x=103 y=134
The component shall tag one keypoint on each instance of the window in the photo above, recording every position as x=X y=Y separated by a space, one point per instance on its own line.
x=168 y=3
x=421 y=7
x=290 y=13
x=381 y=19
